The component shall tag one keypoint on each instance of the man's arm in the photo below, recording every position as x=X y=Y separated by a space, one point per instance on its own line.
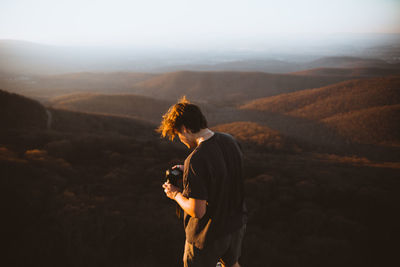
x=194 y=207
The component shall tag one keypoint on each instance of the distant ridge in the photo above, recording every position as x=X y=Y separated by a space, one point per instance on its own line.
x=124 y=79
x=134 y=106
x=352 y=72
x=21 y=57
x=45 y=87
x=280 y=66
x=260 y=65
x=348 y=62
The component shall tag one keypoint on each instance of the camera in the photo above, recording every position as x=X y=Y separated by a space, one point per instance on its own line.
x=174 y=176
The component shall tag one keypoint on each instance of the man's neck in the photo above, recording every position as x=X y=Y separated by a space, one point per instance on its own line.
x=203 y=135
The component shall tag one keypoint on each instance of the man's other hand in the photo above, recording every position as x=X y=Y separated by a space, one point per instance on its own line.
x=170 y=190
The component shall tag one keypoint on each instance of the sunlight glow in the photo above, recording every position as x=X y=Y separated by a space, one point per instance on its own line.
x=186 y=21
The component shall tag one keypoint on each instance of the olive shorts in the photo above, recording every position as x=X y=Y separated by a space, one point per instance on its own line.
x=226 y=249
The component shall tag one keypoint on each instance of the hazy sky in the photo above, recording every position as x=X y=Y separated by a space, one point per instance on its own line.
x=188 y=22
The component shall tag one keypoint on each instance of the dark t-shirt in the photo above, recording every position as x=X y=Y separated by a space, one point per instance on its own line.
x=214 y=172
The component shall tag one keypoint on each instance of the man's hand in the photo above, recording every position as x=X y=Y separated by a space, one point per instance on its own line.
x=170 y=190
x=181 y=167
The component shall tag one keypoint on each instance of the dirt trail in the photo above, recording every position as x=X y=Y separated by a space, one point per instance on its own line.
x=49 y=119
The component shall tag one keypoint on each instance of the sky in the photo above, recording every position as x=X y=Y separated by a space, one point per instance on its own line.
x=189 y=22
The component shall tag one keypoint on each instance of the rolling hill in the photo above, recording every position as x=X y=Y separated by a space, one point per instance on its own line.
x=257 y=135
x=338 y=106
x=371 y=125
x=228 y=86
x=198 y=86
x=133 y=106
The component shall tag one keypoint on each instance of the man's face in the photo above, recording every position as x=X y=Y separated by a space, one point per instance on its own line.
x=187 y=138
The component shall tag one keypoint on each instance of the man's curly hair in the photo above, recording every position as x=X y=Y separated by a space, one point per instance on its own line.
x=181 y=114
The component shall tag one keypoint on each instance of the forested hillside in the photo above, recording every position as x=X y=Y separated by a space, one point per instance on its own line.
x=87 y=192
x=21 y=112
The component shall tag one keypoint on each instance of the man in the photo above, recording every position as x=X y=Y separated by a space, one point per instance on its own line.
x=213 y=193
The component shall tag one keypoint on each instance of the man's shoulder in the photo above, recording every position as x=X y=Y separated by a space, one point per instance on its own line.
x=219 y=139
x=225 y=136
x=228 y=139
